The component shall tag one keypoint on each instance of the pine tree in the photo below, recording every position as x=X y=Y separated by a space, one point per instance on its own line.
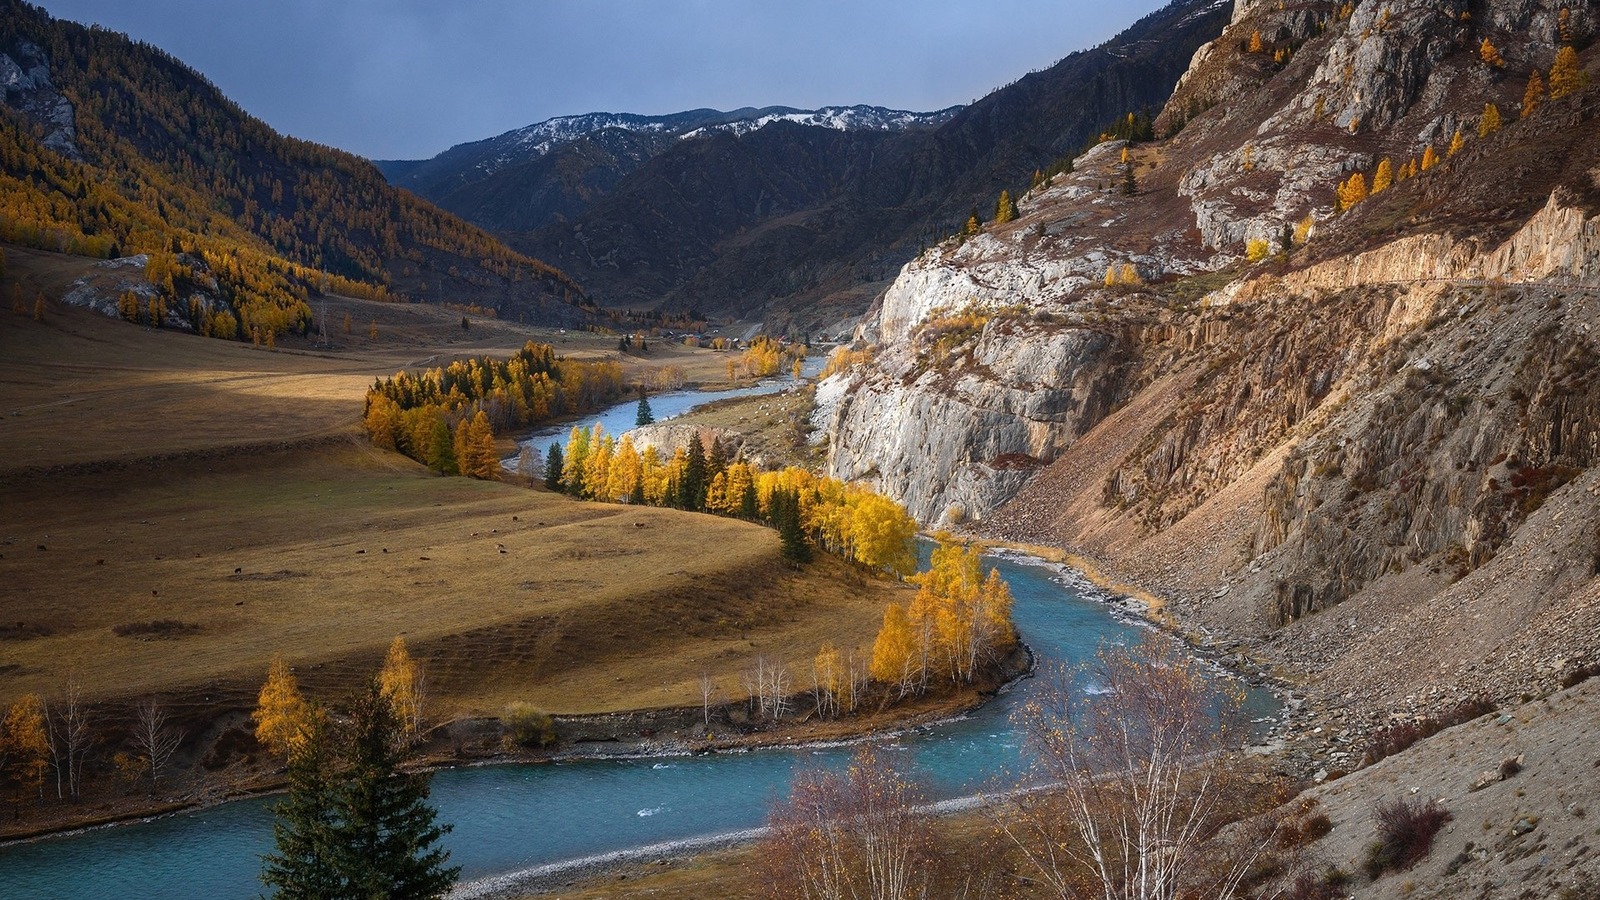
x=1129 y=185
x=441 y=455
x=1490 y=123
x=644 y=416
x=552 y=468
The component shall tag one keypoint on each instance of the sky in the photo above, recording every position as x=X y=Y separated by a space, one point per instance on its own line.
x=406 y=79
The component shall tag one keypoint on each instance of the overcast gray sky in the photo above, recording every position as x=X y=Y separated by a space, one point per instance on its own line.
x=409 y=78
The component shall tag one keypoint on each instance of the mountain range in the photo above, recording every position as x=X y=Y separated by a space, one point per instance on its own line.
x=791 y=217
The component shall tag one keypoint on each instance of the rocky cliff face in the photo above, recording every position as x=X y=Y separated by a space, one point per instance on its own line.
x=1331 y=430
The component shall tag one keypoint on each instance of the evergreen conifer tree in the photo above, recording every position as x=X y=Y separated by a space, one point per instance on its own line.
x=552 y=468
x=441 y=449
x=352 y=825
x=645 y=416
x=387 y=836
x=786 y=516
x=303 y=827
x=692 y=489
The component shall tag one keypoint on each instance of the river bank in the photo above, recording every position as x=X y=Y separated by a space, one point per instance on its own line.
x=642 y=734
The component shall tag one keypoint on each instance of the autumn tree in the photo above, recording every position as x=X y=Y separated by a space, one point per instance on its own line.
x=1430 y=157
x=283 y=717
x=575 y=459
x=1490 y=123
x=1490 y=54
x=67 y=728
x=1534 y=95
x=474 y=448
x=859 y=834
x=1256 y=44
x=1384 y=177
x=1457 y=142
x=1142 y=779
x=153 y=739
x=401 y=682
x=24 y=748
x=827 y=679
x=1004 y=210
x=1565 y=75
x=962 y=617
x=882 y=536
x=1352 y=191
x=894 y=652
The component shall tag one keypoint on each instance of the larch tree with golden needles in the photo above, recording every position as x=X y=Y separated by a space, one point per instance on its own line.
x=1352 y=191
x=1533 y=95
x=1457 y=142
x=1565 y=76
x=1430 y=157
x=1384 y=177
x=283 y=717
x=1256 y=44
x=1004 y=210
x=1490 y=54
x=474 y=448
x=401 y=683
x=24 y=748
x=1490 y=123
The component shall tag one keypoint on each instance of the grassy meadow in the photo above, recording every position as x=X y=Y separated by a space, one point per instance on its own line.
x=179 y=509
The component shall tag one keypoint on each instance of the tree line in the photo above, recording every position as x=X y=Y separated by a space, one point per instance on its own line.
x=808 y=510
x=446 y=418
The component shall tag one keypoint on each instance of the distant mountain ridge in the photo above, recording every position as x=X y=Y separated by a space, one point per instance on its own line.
x=799 y=218
x=551 y=171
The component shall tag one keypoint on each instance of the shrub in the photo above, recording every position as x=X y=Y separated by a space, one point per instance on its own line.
x=1406 y=829
x=1392 y=739
x=1256 y=249
x=528 y=727
x=160 y=628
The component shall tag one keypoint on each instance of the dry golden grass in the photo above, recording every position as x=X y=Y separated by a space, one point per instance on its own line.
x=269 y=523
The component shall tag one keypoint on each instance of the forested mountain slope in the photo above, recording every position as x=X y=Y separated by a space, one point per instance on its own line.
x=110 y=147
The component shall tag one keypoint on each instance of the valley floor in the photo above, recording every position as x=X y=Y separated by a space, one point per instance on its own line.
x=179 y=510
